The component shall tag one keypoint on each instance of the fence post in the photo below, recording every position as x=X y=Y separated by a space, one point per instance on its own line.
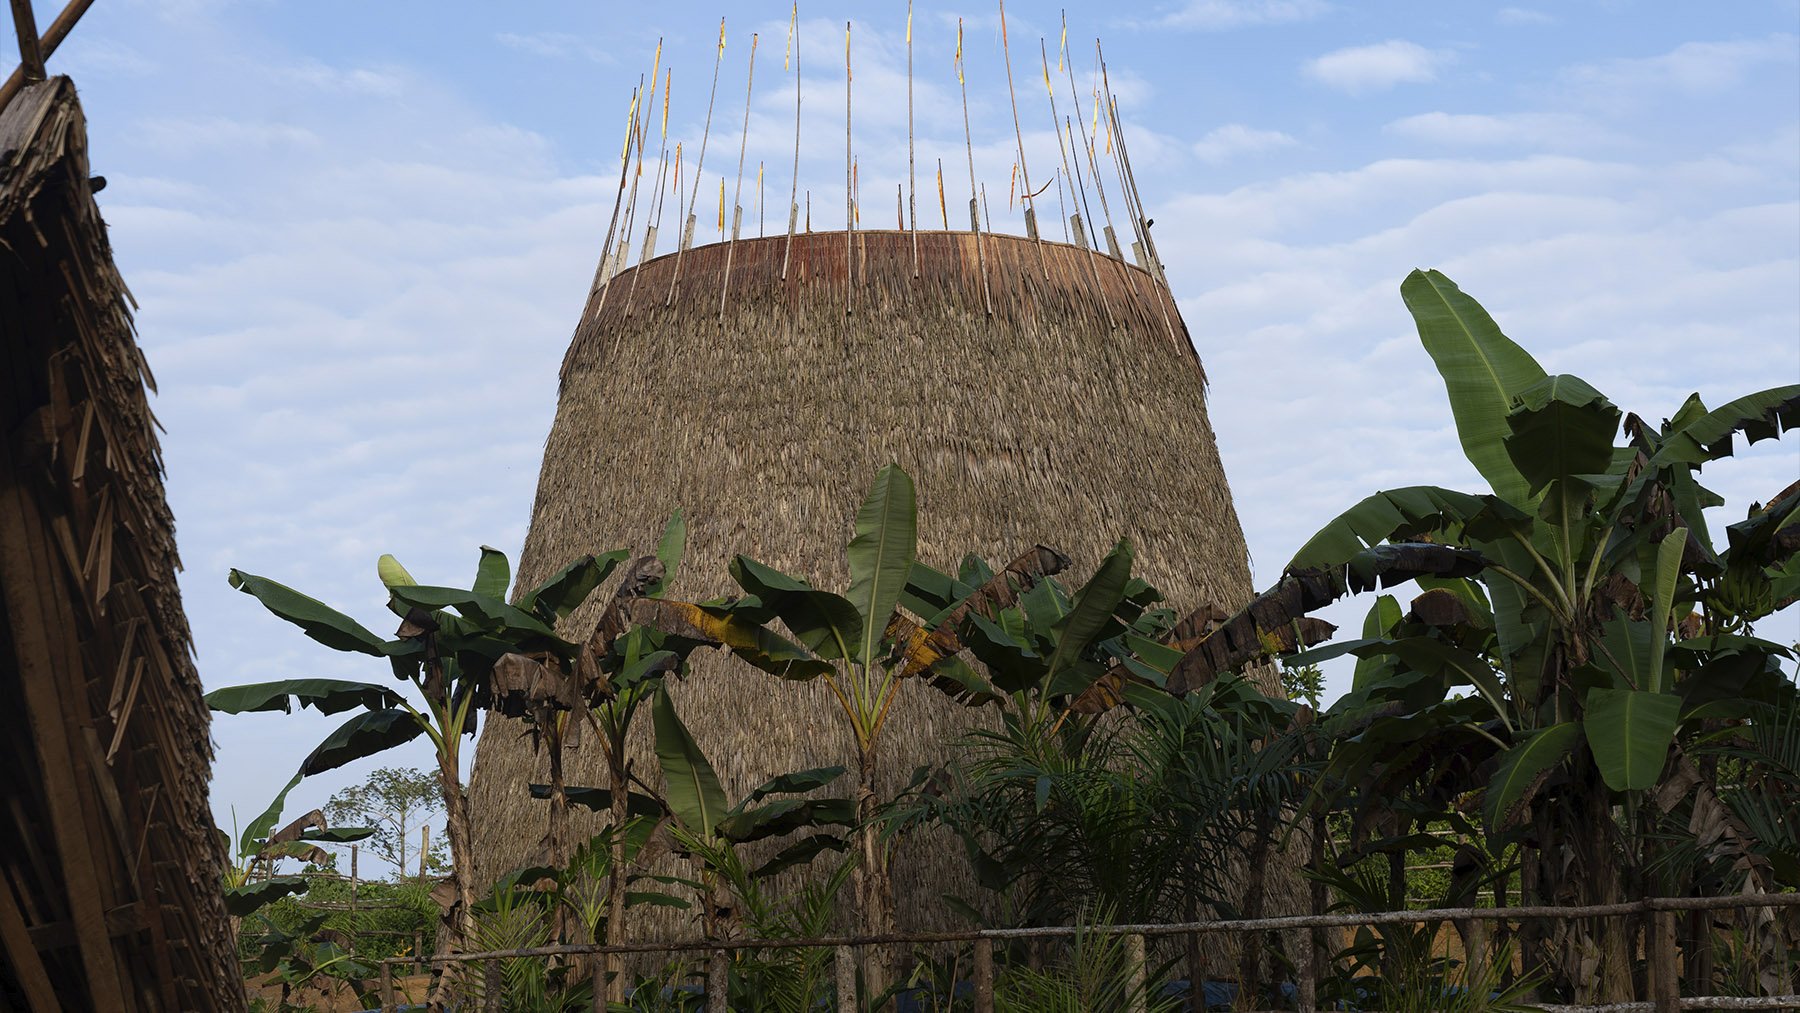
x=844 y=963
x=1135 y=979
x=1307 y=1000
x=1475 y=950
x=387 y=987
x=718 y=983
x=492 y=985
x=984 y=975
x=1663 y=969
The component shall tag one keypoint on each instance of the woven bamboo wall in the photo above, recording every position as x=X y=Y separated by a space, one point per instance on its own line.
x=1072 y=414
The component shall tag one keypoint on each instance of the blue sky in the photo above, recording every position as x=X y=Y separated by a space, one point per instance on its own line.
x=360 y=236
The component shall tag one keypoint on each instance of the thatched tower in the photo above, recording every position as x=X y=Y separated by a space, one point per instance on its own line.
x=110 y=896
x=1037 y=391
x=1073 y=414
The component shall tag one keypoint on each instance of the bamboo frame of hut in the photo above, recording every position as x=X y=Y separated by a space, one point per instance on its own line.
x=1070 y=416
x=111 y=864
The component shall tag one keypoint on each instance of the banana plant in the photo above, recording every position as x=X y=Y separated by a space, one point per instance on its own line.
x=444 y=654
x=1603 y=624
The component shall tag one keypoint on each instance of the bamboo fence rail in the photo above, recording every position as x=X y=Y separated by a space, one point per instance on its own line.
x=1662 y=981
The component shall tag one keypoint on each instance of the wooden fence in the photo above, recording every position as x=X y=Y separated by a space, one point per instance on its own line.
x=1662 y=979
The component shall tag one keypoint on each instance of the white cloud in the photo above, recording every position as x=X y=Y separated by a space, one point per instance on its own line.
x=1694 y=68
x=1360 y=69
x=1218 y=15
x=555 y=45
x=1233 y=139
x=1517 y=130
x=1523 y=16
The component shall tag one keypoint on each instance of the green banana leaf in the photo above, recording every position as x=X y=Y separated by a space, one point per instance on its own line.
x=669 y=550
x=1389 y=515
x=1759 y=416
x=1521 y=769
x=365 y=734
x=327 y=696
x=1483 y=372
x=826 y=624
x=695 y=796
x=493 y=573
x=316 y=619
x=564 y=592
x=881 y=554
x=1065 y=674
x=1560 y=428
x=241 y=901
x=1629 y=732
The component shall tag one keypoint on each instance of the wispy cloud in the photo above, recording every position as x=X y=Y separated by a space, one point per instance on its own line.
x=1222 y=144
x=1360 y=69
x=1523 y=16
x=556 y=46
x=1694 y=68
x=1517 y=130
x=1220 y=15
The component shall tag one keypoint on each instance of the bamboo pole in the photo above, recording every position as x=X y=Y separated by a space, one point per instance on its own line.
x=1087 y=143
x=600 y=276
x=46 y=46
x=31 y=55
x=687 y=229
x=1078 y=195
x=912 y=185
x=1012 y=96
x=794 y=188
x=636 y=178
x=652 y=225
x=849 y=181
x=737 y=196
x=969 y=146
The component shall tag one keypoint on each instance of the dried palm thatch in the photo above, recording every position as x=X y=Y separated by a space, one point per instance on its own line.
x=112 y=867
x=1072 y=414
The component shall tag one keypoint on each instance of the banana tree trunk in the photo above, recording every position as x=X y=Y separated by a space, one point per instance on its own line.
x=874 y=885
x=618 y=782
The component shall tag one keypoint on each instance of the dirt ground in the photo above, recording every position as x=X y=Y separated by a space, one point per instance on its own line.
x=341 y=999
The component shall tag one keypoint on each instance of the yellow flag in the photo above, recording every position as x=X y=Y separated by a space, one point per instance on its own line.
x=1046 y=62
x=1012 y=187
x=721 y=36
x=721 y=205
x=1063 y=46
x=846 y=50
x=793 y=20
x=668 y=82
x=1108 y=134
x=943 y=208
x=909 y=22
x=959 y=73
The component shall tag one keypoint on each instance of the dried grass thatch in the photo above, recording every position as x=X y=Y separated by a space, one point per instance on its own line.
x=111 y=898
x=1072 y=414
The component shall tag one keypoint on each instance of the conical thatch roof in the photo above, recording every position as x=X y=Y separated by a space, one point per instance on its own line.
x=111 y=895
x=1072 y=414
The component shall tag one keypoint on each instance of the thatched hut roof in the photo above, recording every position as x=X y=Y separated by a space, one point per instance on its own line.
x=1072 y=413
x=111 y=899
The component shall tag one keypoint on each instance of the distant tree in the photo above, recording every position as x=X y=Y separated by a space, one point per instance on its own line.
x=396 y=801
